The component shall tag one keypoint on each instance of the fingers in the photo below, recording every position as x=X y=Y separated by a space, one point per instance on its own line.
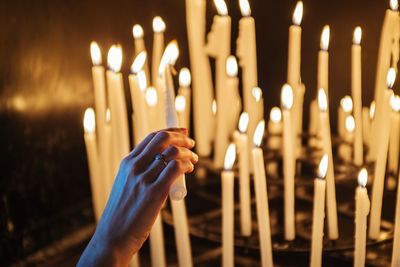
x=170 y=154
x=174 y=169
x=159 y=143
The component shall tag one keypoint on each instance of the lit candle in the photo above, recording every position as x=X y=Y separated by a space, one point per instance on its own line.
x=345 y=149
x=202 y=81
x=396 y=235
x=116 y=97
x=325 y=133
x=394 y=141
x=356 y=87
x=153 y=115
x=366 y=125
x=362 y=211
x=289 y=162
x=260 y=188
x=381 y=159
x=241 y=141
x=275 y=129
x=323 y=61
x=140 y=46
x=89 y=124
x=313 y=124
x=180 y=106
x=370 y=156
x=345 y=109
x=227 y=178
x=257 y=109
x=184 y=90
x=158 y=47
x=317 y=236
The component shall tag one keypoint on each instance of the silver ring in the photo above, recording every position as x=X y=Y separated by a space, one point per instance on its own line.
x=161 y=158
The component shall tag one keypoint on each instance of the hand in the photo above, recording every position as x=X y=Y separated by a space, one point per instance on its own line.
x=139 y=192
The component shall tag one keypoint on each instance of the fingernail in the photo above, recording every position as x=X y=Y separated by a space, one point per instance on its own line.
x=192 y=142
x=195 y=156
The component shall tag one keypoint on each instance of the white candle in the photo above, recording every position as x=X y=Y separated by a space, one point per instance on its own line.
x=289 y=163
x=381 y=160
x=317 y=236
x=116 y=96
x=155 y=121
x=157 y=251
x=257 y=109
x=313 y=124
x=110 y=165
x=89 y=124
x=370 y=156
x=325 y=132
x=345 y=149
x=356 y=87
x=227 y=178
x=362 y=211
x=140 y=46
x=260 y=187
x=180 y=106
x=345 y=109
x=158 y=47
x=366 y=124
x=323 y=60
x=275 y=129
x=396 y=235
x=184 y=90
x=204 y=130
x=394 y=141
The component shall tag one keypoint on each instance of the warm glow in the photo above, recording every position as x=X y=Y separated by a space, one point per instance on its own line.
x=395 y=102
x=231 y=66
x=322 y=100
x=158 y=24
x=142 y=80
x=259 y=133
x=257 y=93
x=108 y=115
x=275 y=115
x=346 y=103
x=221 y=7
x=245 y=8
x=114 y=58
x=95 y=53
x=151 y=97
x=171 y=54
x=391 y=77
x=287 y=96
x=243 y=122
x=363 y=177
x=372 y=110
x=298 y=13
x=139 y=61
x=180 y=103
x=137 y=31
x=325 y=36
x=214 y=107
x=184 y=77
x=323 y=166
x=394 y=5
x=230 y=157
x=350 y=124
x=357 y=35
x=89 y=121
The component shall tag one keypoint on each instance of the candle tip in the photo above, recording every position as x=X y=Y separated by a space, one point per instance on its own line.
x=363 y=177
x=185 y=78
x=259 y=133
x=231 y=66
x=158 y=24
x=275 y=115
x=151 y=97
x=325 y=36
x=180 y=103
x=137 y=31
x=391 y=77
x=138 y=62
x=214 y=107
x=287 y=97
x=108 y=115
x=257 y=94
x=95 y=53
x=221 y=7
x=89 y=121
x=322 y=100
x=230 y=157
x=243 y=122
x=357 y=35
x=142 y=80
x=394 y=5
x=298 y=13
x=372 y=110
x=346 y=103
x=245 y=8
x=114 y=58
x=171 y=54
x=323 y=166
x=350 y=124
x=395 y=102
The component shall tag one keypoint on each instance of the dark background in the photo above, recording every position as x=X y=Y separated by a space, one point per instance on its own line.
x=45 y=86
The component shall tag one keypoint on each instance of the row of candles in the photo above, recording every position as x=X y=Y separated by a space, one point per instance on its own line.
x=354 y=124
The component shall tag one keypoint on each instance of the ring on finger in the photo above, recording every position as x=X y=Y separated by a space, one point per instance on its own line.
x=161 y=157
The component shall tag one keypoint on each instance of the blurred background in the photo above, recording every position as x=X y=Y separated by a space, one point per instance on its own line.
x=45 y=86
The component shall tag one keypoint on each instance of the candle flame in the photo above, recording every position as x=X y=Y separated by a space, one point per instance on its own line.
x=350 y=124
x=180 y=103
x=287 y=96
x=214 y=107
x=275 y=115
x=346 y=103
x=89 y=121
x=231 y=66
x=325 y=36
x=108 y=115
x=257 y=93
x=243 y=122
x=139 y=62
x=95 y=53
x=391 y=77
x=357 y=35
x=394 y=5
x=395 y=102
x=221 y=7
x=114 y=58
x=137 y=31
x=322 y=100
x=323 y=166
x=259 y=133
x=142 y=80
x=372 y=110
x=184 y=77
x=363 y=177
x=158 y=24
x=298 y=13
x=171 y=54
x=245 y=8
x=230 y=157
x=151 y=97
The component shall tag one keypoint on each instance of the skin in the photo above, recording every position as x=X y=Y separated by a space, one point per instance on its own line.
x=139 y=192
